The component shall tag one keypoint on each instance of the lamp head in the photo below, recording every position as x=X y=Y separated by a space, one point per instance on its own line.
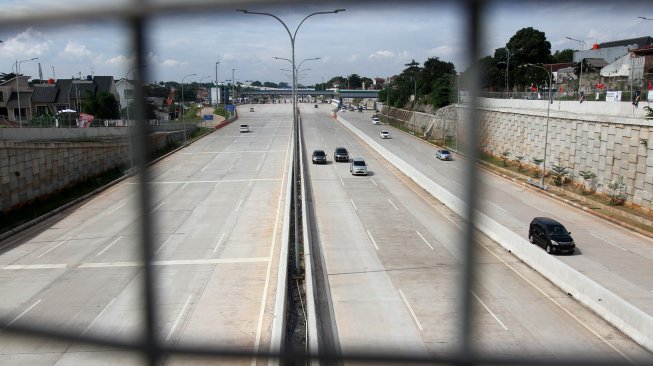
x=242 y=11
x=339 y=10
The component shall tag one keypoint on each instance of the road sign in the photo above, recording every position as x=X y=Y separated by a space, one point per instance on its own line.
x=230 y=107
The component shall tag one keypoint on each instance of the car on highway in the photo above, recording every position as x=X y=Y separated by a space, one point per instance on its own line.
x=244 y=128
x=340 y=154
x=385 y=134
x=251 y=109
x=444 y=154
x=551 y=235
x=315 y=106
x=319 y=157
x=376 y=121
x=358 y=167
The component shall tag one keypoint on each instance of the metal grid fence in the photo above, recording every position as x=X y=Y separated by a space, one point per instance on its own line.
x=135 y=15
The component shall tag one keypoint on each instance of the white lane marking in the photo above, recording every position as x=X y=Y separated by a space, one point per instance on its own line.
x=342 y=182
x=159 y=206
x=452 y=165
x=164 y=244
x=497 y=206
x=412 y=156
x=184 y=185
x=532 y=205
x=177 y=262
x=35 y=266
x=258 y=168
x=250 y=183
x=372 y=239
x=230 y=152
x=490 y=311
x=181 y=313
x=109 y=246
x=98 y=316
x=116 y=209
x=53 y=248
x=214 y=181
x=620 y=247
x=259 y=327
x=556 y=303
x=204 y=168
x=23 y=313
x=410 y=309
x=393 y=205
x=423 y=238
x=373 y=182
x=239 y=204
x=353 y=204
x=430 y=166
x=334 y=167
x=218 y=244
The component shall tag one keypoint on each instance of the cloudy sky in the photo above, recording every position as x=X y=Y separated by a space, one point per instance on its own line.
x=372 y=39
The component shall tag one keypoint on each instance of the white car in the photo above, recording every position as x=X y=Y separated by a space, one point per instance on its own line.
x=385 y=134
x=244 y=128
x=376 y=121
x=444 y=154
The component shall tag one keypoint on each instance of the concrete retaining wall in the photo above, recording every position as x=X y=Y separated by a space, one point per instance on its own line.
x=31 y=170
x=632 y=321
x=612 y=147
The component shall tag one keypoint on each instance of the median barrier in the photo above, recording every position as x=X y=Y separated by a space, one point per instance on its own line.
x=631 y=320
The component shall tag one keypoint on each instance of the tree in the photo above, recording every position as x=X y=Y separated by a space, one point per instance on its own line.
x=433 y=70
x=257 y=83
x=354 y=81
x=566 y=55
x=529 y=45
x=269 y=84
x=340 y=81
x=102 y=105
x=590 y=177
x=441 y=94
x=367 y=82
x=537 y=162
x=559 y=172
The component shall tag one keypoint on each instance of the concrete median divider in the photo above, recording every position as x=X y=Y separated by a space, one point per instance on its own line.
x=631 y=320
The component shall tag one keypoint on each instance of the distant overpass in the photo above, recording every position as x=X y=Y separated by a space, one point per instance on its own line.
x=336 y=94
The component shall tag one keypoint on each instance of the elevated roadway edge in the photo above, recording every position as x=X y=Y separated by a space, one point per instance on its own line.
x=631 y=320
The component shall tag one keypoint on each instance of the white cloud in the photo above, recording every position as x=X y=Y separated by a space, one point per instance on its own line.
x=171 y=63
x=443 y=51
x=74 y=49
x=385 y=54
x=353 y=58
x=30 y=43
x=118 y=60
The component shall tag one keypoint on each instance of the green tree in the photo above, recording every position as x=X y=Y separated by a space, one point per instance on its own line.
x=559 y=172
x=257 y=83
x=441 y=94
x=102 y=105
x=566 y=55
x=528 y=45
x=354 y=81
x=269 y=84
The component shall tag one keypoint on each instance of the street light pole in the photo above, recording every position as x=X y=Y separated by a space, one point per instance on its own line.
x=292 y=46
x=20 y=117
x=217 y=99
x=507 y=65
x=548 y=108
x=182 y=104
x=582 y=48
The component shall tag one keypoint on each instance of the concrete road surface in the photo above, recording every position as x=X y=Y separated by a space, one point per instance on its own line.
x=218 y=218
x=393 y=261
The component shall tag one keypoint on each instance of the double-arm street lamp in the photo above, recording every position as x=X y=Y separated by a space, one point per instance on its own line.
x=295 y=72
x=582 y=48
x=507 y=65
x=293 y=37
x=20 y=117
x=548 y=107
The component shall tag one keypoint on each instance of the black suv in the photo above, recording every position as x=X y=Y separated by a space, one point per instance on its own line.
x=551 y=235
x=341 y=154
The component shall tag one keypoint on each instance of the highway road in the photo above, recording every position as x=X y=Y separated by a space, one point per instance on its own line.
x=617 y=258
x=218 y=213
x=393 y=261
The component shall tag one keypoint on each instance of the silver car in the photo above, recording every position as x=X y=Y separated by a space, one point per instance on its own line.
x=444 y=155
x=358 y=167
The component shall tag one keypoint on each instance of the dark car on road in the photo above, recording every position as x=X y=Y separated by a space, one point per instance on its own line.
x=341 y=154
x=319 y=157
x=550 y=235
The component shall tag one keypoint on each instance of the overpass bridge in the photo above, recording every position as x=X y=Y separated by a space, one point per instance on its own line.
x=333 y=94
